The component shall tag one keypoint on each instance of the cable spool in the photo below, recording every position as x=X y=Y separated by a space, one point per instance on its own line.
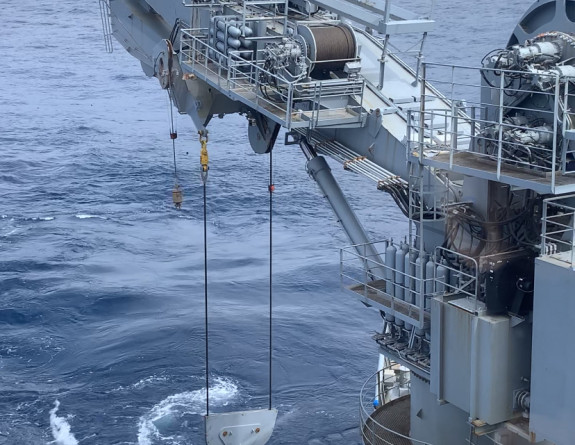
x=330 y=47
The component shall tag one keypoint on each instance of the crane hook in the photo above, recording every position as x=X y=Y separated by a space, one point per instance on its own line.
x=204 y=158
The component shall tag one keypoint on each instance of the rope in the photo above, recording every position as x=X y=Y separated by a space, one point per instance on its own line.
x=173 y=135
x=177 y=196
x=204 y=175
x=175 y=165
x=206 y=300
x=271 y=188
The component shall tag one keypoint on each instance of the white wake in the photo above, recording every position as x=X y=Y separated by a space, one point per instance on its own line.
x=174 y=408
x=61 y=429
x=87 y=216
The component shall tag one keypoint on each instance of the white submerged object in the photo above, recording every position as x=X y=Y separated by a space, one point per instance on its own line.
x=240 y=428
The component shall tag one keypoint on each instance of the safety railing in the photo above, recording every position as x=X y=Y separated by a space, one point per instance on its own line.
x=252 y=10
x=410 y=56
x=455 y=274
x=385 y=419
x=514 y=118
x=200 y=3
x=292 y=103
x=402 y=280
x=205 y=3
x=106 y=18
x=558 y=229
x=427 y=199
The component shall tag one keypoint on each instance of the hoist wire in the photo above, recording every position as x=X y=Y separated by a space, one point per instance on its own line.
x=173 y=134
x=204 y=175
x=271 y=190
x=175 y=166
x=206 y=299
x=206 y=318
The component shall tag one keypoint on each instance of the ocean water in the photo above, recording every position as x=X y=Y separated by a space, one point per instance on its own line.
x=101 y=279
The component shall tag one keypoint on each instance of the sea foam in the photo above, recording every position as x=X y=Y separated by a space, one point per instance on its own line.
x=176 y=406
x=61 y=429
x=41 y=218
x=86 y=216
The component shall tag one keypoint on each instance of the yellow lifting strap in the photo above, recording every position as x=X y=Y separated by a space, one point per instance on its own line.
x=204 y=158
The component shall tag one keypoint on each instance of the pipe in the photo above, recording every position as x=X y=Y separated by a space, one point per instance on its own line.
x=319 y=170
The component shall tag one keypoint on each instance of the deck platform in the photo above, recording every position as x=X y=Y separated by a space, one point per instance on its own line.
x=478 y=165
x=376 y=295
x=245 y=90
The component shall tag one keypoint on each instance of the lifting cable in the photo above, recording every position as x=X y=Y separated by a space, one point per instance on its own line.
x=204 y=162
x=177 y=191
x=271 y=188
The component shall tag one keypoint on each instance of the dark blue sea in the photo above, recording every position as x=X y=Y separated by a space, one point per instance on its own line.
x=101 y=279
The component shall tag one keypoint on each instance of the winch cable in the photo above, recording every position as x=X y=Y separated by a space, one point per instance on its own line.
x=204 y=162
x=173 y=136
x=271 y=188
x=177 y=191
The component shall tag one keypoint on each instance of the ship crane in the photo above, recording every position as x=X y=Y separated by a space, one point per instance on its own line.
x=476 y=301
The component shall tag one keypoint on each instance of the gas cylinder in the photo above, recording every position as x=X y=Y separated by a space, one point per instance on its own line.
x=390 y=268
x=420 y=263
x=400 y=268
x=409 y=269
x=454 y=281
x=429 y=281
x=441 y=278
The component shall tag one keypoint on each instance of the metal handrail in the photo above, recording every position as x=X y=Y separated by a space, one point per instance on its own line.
x=241 y=75
x=106 y=18
x=471 y=278
x=373 y=431
x=358 y=268
x=467 y=280
x=440 y=130
x=558 y=235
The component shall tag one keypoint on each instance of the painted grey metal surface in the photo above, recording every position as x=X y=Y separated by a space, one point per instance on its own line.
x=544 y=15
x=478 y=361
x=474 y=182
x=553 y=386
x=241 y=427
x=321 y=173
x=433 y=422
x=390 y=20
